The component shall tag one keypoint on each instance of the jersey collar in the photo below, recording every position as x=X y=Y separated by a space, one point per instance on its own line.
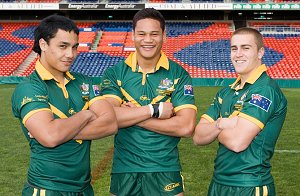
x=253 y=77
x=46 y=75
x=163 y=61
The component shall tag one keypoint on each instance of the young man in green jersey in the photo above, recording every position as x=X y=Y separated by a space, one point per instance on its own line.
x=60 y=112
x=158 y=109
x=246 y=118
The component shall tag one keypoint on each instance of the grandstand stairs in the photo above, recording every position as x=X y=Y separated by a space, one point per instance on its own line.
x=20 y=70
x=97 y=40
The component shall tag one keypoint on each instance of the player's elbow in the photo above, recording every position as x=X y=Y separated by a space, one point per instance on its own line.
x=49 y=143
x=187 y=131
x=201 y=141
x=238 y=147
x=53 y=139
x=114 y=127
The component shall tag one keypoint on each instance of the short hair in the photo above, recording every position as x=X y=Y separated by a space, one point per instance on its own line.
x=256 y=34
x=149 y=13
x=48 y=28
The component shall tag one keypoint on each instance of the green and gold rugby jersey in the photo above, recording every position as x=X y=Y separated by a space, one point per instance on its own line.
x=67 y=166
x=138 y=149
x=261 y=102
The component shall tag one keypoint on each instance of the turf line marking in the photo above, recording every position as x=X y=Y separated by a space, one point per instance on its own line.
x=102 y=165
x=288 y=151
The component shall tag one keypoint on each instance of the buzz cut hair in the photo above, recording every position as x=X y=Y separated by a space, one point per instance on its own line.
x=256 y=34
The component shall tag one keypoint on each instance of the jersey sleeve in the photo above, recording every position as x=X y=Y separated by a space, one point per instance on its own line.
x=29 y=97
x=183 y=95
x=260 y=105
x=109 y=85
x=214 y=110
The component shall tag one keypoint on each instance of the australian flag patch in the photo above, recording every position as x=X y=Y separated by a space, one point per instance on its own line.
x=96 y=90
x=260 y=101
x=188 y=90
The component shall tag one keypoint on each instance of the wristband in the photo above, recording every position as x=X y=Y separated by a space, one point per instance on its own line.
x=155 y=110
x=160 y=109
x=151 y=109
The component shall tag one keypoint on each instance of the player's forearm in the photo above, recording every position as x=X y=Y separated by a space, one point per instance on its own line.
x=175 y=126
x=206 y=133
x=239 y=137
x=229 y=140
x=63 y=130
x=128 y=116
x=104 y=125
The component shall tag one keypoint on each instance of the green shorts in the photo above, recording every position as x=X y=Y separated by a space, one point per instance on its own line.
x=216 y=189
x=29 y=190
x=145 y=184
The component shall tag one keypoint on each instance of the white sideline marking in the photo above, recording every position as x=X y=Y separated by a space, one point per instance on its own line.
x=288 y=151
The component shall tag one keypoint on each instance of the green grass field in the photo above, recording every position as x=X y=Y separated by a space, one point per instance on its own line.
x=197 y=162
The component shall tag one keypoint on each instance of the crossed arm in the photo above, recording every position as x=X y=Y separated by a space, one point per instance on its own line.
x=180 y=125
x=99 y=121
x=236 y=133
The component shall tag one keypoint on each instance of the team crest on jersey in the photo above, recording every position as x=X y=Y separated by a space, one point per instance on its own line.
x=85 y=91
x=188 y=90
x=165 y=87
x=240 y=102
x=261 y=102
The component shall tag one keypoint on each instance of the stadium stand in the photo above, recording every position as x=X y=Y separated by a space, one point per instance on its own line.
x=202 y=48
x=15 y=43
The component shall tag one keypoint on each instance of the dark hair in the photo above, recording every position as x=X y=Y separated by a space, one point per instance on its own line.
x=257 y=35
x=48 y=28
x=149 y=13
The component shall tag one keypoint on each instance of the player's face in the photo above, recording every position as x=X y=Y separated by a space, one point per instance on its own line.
x=58 y=55
x=245 y=55
x=148 y=38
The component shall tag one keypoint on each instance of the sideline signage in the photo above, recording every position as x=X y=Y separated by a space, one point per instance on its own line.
x=190 y=6
x=268 y=6
x=29 y=6
x=95 y=6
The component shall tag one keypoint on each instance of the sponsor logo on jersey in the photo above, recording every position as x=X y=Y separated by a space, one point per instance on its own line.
x=26 y=100
x=144 y=98
x=170 y=187
x=72 y=111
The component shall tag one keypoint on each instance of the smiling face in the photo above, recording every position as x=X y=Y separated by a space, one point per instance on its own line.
x=58 y=55
x=245 y=55
x=148 y=38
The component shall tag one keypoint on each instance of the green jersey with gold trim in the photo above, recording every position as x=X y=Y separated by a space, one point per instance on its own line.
x=261 y=102
x=65 y=167
x=138 y=149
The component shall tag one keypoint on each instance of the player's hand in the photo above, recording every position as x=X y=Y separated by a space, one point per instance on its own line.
x=167 y=111
x=91 y=115
x=128 y=105
x=227 y=123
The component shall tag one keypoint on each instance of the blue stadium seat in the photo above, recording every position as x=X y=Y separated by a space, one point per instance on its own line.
x=9 y=47
x=26 y=32
x=94 y=63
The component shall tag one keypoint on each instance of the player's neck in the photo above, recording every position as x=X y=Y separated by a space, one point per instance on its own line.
x=147 y=65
